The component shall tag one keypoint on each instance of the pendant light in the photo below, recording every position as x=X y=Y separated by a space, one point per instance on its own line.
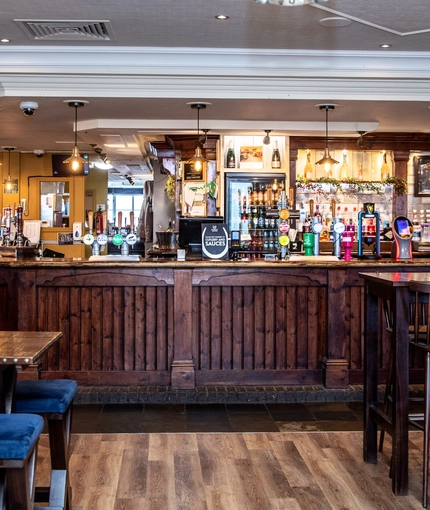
x=327 y=161
x=8 y=182
x=197 y=160
x=75 y=160
x=290 y=3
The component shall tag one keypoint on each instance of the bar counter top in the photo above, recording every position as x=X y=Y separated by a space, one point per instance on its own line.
x=320 y=261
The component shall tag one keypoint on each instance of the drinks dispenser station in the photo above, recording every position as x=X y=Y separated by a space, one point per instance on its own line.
x=368 y=237
x=403 y=232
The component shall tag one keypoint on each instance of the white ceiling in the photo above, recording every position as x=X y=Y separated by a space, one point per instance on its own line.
x=266 y=67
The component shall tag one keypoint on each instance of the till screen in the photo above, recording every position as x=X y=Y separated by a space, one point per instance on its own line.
x=403 y=228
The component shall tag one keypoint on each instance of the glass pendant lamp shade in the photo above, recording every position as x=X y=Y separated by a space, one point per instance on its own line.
x=75 y=160
x=197 y=160
x=8 y=182
x=327 y=161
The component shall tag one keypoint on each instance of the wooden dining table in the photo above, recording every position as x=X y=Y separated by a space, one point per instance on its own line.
x=18 y=350
x=393 y=287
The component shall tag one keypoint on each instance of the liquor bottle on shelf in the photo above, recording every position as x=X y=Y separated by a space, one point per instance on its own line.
x=309 y=171
x=360 y=172
x=260 y=195
x=231 y=158
x=276 y=157
x=385 y=169
x=344 y=169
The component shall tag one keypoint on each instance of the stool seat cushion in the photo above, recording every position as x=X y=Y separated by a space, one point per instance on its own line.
x=44 y=396
x=18 y=435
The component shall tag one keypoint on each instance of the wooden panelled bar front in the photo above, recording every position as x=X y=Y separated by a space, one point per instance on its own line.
x=187 y=325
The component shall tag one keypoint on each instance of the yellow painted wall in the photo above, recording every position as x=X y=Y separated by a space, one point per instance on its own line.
x=30 y=171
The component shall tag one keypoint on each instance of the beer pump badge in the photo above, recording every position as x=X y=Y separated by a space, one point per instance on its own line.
x=284 y=214
x=215 y=241
x=88 y=239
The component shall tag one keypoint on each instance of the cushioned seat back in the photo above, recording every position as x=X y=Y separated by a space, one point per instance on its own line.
x=45 y=396
x=18 y=435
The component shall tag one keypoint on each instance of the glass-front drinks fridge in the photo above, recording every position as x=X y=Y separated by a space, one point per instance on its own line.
x=251 y=207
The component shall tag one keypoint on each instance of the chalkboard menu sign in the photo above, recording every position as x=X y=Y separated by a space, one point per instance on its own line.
x=215 y=241
x=191 y=174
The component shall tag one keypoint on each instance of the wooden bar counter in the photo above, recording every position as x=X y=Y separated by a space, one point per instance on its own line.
x=187 y=324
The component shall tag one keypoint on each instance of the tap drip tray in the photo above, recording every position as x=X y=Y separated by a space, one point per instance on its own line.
x=115 y=258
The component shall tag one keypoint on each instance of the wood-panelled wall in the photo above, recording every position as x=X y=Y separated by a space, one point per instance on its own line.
x=224 y=325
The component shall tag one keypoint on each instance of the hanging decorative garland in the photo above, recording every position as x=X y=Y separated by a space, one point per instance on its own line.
x=352 y=185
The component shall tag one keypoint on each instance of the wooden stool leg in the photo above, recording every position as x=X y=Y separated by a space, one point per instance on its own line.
x=426 y=429
x=20 y=485
x=59 y=440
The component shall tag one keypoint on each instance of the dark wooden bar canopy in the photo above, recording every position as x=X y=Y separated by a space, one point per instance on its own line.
x=195 y=324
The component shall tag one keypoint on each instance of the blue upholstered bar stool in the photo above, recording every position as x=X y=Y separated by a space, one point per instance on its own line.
x=19 y=435
x=51 y=399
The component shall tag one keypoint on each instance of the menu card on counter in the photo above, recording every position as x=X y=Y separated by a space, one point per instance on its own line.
x=215 y=241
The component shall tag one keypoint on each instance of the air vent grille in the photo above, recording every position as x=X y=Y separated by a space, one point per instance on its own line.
x=67 y=30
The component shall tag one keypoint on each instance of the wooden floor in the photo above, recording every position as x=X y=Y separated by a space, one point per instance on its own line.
x=232 y=471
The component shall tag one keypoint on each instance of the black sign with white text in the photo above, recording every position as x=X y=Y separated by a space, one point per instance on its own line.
x=215 y=241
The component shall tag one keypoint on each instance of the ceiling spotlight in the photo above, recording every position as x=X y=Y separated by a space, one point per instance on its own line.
x=266 y=139
x=327 y=161
x=75 y=160
x=105 y=159
x=290 y=3
x=222 y=17
x=385 y=46
x=204 y=138
x=129 y=179
x=360 y=139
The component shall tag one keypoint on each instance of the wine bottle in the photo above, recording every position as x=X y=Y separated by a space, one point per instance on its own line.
x=360 y=172
x=385 y=169
x=231 y=159
x=344 y=169
x=309 y=171
x=276 y=157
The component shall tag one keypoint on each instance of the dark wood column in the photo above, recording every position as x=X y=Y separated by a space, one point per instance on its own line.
x=183 y=370
x=335 y=364
x=400 y=202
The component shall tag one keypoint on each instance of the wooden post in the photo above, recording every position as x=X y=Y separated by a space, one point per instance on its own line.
x=400 y=202
x=335 y=365
x=183 y=371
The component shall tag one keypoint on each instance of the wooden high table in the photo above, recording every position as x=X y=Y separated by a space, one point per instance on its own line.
x=18 y=350
x=393 y=287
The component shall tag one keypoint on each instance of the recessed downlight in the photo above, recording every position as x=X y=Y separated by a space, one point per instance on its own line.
x=222 y=17
x=385 y=45
x=4 y=40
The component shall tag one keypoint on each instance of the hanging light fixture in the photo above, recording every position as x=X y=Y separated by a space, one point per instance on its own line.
x=197 y=160
x=290 y=3
x=266 y=139
x=75 y=160
x=204 y=138
x=9 y=183
x=327 y=161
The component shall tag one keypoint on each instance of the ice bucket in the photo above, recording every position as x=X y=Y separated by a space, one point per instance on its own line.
x=166 y=240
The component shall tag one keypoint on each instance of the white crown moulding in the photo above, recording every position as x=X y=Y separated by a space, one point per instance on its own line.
x=226 y=126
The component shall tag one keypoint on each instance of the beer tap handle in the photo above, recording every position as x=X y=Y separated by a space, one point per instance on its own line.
x=119 y=221
x=132 y=221
x=90 y=221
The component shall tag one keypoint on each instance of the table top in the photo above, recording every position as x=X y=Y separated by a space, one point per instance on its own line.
x=396 y=279
x=25 y=347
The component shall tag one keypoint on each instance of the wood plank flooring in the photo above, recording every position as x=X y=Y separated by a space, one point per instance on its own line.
x=232 y=471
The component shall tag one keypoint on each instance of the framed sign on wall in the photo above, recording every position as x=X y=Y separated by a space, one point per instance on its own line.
x=422 y=176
